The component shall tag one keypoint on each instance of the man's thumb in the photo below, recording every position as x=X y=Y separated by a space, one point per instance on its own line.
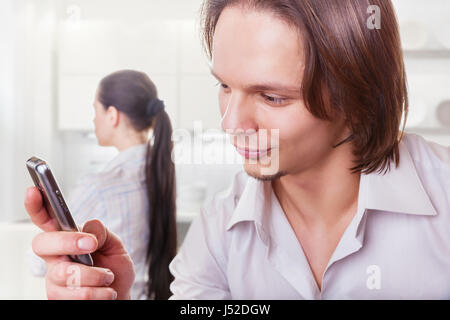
x=108 y=242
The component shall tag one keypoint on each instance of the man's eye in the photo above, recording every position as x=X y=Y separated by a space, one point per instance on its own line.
x=274 y=100
x=224 y=86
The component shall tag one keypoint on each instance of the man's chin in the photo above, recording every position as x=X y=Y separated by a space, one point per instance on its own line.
x=257 y=173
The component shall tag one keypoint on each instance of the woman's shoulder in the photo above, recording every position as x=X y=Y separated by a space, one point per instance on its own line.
x=133 y=173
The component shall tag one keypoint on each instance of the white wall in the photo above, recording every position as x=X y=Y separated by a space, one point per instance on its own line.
x=7 y=113
x=27 y=97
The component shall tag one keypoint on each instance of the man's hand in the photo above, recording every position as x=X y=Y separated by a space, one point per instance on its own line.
x=113 y=273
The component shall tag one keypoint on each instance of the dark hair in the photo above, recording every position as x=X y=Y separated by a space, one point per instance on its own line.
x=135 y=95
x=350 y=69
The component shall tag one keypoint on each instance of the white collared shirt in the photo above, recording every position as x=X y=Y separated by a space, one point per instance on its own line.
x=117 y=196
x=396 y=247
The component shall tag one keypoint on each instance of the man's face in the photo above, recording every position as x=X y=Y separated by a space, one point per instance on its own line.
x=259 y=62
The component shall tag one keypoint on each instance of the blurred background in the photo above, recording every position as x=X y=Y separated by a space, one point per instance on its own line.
x=53 y=53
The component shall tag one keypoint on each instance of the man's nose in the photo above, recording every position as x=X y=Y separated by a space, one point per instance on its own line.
x=239 y=115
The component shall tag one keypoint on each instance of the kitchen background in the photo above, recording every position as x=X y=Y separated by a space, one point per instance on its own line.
x=53 y=53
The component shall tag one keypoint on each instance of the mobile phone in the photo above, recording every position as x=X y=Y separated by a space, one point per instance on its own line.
x=54 y=202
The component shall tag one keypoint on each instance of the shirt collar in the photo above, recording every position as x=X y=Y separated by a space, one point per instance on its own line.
x=253 y=202
x=400 y=190
x=130 y=154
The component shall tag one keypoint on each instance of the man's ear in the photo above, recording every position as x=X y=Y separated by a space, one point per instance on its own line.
x=113 y=116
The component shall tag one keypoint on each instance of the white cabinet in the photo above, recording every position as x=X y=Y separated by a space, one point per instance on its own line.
x=88 y=48
x=15 y=270
x=75 y=101
x=199 y=102
x=198 y=93
x=151 y=46
x=169 y=51
x=193 y=57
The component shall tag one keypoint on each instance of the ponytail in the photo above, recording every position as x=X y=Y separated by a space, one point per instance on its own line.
x=161 y=186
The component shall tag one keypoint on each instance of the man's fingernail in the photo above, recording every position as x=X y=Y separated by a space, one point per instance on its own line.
x=109 y=278
x=86 y=244
x=114 y=295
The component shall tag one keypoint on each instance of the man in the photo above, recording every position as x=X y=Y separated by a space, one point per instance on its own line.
x=353 y=208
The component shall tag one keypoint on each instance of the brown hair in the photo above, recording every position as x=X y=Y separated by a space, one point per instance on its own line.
x=350 y=69
x=134 y=94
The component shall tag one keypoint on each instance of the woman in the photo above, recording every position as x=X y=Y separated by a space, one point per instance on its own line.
x=135 y=194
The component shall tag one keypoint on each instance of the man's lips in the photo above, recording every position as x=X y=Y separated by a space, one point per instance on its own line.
x=252 y=154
